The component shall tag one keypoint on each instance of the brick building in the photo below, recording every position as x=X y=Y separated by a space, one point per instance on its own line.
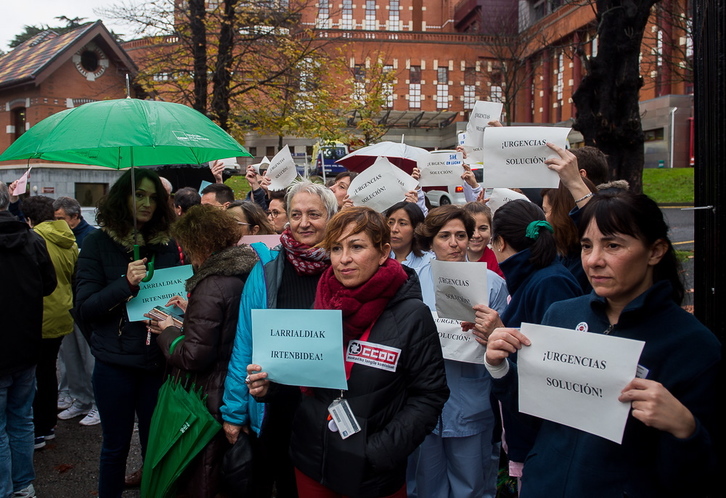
x=50 y=73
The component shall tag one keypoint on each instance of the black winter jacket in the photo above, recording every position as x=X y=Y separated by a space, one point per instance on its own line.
x=210 y=324
x=27 y=274
x=101 y=295
x=396 y=410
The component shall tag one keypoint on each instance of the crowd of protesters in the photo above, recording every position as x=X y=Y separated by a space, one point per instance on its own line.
x=432 y=427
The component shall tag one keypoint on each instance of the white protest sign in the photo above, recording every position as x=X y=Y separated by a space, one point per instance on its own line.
x=574 y=378
x=500 y=196
x=456 y=344
x=378 y=186
x=479 y=118
x=442 y=168
x=406 y=181
x=282 y=170
x=265 y=162
x=229 y=162
x=22 y=183
x=459 y=287
x=461 y=138
x=515 y=156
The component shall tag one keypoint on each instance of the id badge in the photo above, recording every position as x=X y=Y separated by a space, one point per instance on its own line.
x=343 y=417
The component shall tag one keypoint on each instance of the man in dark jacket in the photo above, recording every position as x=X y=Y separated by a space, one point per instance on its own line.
x=27 y=274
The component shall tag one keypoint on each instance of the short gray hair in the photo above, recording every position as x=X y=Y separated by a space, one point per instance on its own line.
x=4 y=197
x=326 y=195
x=69 y=205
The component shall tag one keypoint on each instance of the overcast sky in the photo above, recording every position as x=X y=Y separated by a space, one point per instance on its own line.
x=19 y=13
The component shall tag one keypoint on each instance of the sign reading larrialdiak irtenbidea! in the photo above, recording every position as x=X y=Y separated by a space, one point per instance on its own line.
x=300 y=347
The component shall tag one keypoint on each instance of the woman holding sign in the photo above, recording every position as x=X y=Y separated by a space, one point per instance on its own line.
x=285 y=278
x=129 y=365
x=637 y=292
x=456 y=459
x=525 y=246
x=395 y=403
x=203 y=346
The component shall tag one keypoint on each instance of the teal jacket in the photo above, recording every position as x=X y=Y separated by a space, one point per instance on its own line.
x=260 y=292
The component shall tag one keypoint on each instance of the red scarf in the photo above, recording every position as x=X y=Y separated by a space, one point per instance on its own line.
x=306 y=260
x=362 y=305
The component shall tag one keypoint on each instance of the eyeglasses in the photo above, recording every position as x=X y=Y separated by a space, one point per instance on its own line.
x=274 y=213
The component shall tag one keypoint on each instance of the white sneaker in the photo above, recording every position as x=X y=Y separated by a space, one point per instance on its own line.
x=27 y=492
x=73 y=412
x=93 y=418
x=64 y=401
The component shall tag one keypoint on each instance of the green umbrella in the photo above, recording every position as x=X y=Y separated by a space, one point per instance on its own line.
x=181 y=427
x=124 y=133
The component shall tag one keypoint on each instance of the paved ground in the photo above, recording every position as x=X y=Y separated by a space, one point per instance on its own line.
x=68 y=466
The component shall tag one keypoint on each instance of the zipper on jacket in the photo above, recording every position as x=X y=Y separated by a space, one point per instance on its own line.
x=609 y=329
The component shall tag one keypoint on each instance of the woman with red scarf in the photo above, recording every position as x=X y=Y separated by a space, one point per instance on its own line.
x=381 y=305
x=285 y=278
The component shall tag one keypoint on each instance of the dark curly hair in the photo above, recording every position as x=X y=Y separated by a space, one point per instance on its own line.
x=205 y=230
x=113 y=208
x=38 y=209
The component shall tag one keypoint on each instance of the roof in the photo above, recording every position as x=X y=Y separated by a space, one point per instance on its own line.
x=33 y=59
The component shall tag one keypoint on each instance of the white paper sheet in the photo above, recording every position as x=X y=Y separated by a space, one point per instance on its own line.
x=456 y=344
x=282 y=170
x=500 y=196
x=574 y=378
x=442 y=169
x=480 y=116
x=22 y=184
x=459 y=287
x=514 y=156
x=378 y=187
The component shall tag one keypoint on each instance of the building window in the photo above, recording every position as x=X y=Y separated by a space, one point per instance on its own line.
x=414 y=87
x=469 y=88
x=370 y=24
x=394 y=19
x=19 y=122
x=359 y=82
x=346 y=19
x=270 y=151
x=560 y=87
x=88 y=194
x=388 y=88
x=495 y=91
x=323 y=20
x=442 y=88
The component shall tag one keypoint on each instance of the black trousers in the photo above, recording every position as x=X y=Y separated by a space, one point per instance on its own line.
x=45 y=405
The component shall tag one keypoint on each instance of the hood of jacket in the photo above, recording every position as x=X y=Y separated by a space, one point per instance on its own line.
x=13 y=233
x=411 y=288
x=127 y=241
x=56 y=232
x=237 y=260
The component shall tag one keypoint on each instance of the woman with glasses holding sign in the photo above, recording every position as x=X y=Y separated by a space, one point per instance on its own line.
x=395 y=403
x=637 y=293
x=285 y=278
x=456 y=459
x=129 y=365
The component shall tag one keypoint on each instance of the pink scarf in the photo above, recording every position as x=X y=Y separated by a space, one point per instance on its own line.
x=306 y=260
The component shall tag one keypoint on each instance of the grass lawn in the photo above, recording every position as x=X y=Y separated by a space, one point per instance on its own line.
x=239 y=184
x=669 y=185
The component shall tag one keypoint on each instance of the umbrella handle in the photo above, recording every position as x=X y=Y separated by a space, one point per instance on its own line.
x=149 y=265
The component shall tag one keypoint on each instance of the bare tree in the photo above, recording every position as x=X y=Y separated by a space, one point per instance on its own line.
x=607 y=100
